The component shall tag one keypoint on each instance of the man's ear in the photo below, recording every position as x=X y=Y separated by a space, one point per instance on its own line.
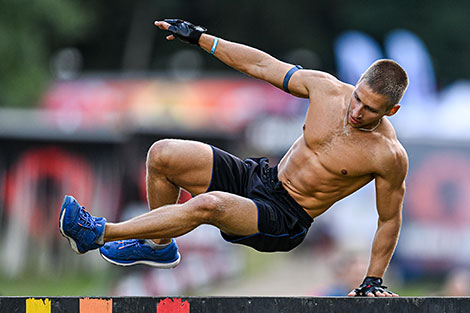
x=393 y=110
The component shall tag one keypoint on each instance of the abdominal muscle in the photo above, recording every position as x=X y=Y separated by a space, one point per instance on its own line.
x=310 y=183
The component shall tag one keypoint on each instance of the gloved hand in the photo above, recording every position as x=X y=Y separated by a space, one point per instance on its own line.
x=185 y=31
x=372 y=286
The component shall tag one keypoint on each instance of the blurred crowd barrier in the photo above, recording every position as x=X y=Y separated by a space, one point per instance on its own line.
x=89 y=138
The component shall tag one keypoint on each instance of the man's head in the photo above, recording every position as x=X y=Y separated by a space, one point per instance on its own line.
x=387 y=78
x=377 y=93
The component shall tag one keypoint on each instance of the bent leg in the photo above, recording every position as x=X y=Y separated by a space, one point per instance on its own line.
x=234 y=215
x=173 y=163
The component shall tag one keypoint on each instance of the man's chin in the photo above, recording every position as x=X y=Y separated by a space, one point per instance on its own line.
x=358 y=125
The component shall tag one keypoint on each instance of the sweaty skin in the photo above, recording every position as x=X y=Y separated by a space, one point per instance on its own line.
x=316 y=172
x=346 y=143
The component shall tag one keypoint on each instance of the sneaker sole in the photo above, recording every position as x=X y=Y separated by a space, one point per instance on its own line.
x=71 y=241
x=144 y=262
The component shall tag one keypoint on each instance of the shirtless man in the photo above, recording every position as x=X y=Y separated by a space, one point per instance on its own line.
x=346 y=143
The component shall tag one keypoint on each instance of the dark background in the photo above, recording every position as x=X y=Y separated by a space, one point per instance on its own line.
x=114 y=36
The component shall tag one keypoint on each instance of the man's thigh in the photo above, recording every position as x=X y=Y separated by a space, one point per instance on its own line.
x=188 y=164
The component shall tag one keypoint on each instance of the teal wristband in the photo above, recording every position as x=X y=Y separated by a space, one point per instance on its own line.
x=214 y=45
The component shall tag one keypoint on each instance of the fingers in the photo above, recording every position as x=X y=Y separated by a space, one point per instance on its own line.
x=376 y=294
x=382 y=294
x=386 y=293
x=165 y=26
x=352 y=294
x=162 y=25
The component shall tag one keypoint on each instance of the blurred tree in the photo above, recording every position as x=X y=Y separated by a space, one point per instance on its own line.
x=29 y=32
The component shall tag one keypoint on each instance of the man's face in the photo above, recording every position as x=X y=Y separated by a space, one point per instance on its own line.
x=366 y=107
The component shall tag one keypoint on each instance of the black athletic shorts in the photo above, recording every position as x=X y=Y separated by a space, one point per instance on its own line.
x=282 y=222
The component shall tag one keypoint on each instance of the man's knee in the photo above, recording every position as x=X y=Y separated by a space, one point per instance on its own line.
x=159 y=154
x=208 y=207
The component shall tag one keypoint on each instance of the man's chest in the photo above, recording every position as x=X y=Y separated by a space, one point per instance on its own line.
x=340 y=154
x=336 y=146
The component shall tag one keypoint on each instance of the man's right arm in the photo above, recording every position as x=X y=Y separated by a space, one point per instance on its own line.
x=259 y=64
x=248 y=60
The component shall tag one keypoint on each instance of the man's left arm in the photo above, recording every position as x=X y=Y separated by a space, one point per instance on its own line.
x=390 y=191
x=389 y=207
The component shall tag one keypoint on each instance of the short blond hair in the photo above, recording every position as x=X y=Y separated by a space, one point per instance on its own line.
x=388 y=78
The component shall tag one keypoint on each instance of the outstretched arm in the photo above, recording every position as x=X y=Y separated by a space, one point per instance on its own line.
x=258 y=64
x=248 y=60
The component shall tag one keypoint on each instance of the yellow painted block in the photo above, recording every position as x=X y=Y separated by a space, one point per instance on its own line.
x=38 y=305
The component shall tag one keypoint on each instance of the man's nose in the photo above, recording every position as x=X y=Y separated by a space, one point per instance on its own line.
x=358 y=111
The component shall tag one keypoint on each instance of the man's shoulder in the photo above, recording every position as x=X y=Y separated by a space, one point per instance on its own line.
x=391 y=140
x=397 y=152
x=326 y=83
x=392 y=156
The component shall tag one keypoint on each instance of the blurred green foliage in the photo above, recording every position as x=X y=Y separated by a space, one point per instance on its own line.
x=30 y=31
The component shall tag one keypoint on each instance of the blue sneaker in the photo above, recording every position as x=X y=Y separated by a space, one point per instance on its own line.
x=81 y=229
x=136 y=251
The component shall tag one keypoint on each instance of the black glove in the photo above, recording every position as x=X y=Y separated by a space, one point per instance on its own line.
x=185 y=31
x=371 y=284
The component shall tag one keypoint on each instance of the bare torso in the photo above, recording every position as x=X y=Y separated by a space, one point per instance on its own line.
x=325 y=164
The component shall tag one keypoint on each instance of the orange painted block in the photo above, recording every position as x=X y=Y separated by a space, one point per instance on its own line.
x=88 y=305
x=38 y=305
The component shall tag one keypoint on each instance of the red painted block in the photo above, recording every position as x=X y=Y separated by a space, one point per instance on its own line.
x=173 y=306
